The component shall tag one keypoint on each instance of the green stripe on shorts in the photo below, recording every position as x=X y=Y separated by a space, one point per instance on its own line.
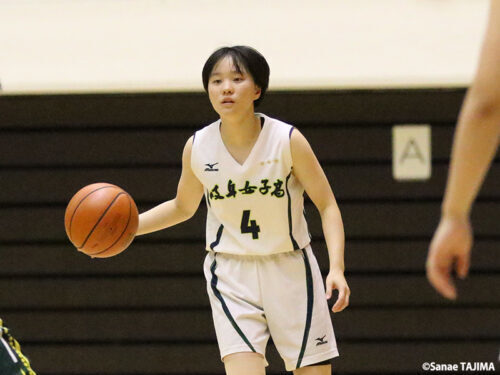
x=224 y=306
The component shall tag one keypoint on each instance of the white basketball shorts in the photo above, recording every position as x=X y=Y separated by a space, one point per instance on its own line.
x=280 y=295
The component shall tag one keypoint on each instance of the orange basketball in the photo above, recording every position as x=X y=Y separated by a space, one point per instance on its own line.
x=101 y=220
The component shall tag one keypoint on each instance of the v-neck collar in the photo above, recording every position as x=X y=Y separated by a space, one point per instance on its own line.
x=255 y=145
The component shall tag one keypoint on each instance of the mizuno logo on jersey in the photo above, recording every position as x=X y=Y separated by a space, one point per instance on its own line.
x=210 y=167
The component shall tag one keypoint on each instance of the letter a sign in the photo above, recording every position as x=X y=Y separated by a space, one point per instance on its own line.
x=411 y=152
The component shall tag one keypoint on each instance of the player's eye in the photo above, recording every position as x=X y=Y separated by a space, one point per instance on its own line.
x=216 y=81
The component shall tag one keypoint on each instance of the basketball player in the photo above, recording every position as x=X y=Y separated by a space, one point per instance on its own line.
x=12 y=360
x=474 y=146
x=262 y=277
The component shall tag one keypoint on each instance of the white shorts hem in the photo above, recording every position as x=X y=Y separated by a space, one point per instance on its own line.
x=238 y=349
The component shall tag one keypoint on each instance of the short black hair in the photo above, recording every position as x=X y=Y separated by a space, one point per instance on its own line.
x=244 y=57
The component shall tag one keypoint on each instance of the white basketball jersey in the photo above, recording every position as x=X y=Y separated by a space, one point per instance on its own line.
x=254 y=208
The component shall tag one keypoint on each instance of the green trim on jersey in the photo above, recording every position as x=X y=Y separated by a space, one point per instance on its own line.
x=295 y=245
x=217 y=239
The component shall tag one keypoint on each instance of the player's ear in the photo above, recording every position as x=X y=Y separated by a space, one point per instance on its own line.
x=258 y=91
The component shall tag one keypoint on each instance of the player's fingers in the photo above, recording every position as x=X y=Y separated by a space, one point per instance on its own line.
x=342 y=300
x=338 y=304
x=345 y=301
x=328 y=289
x=440 y=279
x=462 y=266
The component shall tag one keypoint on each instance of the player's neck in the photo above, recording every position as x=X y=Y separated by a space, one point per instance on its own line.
x=240 y=130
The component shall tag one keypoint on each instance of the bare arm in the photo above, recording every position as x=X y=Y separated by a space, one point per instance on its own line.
x=477 y=134
x=308 y=171
x=474 y=146
x=182 y=207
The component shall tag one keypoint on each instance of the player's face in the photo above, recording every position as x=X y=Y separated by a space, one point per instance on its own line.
x=230 y=91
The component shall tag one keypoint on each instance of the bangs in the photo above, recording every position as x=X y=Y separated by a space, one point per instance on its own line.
x=236 y=60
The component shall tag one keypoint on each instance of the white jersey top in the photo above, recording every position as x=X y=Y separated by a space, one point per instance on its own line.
x=254 y=208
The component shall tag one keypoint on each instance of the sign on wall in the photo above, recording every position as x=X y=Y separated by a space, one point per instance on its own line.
x=411 y=152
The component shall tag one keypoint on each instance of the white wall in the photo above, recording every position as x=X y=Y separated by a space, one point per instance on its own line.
x=150 y=45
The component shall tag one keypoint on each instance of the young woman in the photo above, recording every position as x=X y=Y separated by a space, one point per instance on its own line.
x=262 y=277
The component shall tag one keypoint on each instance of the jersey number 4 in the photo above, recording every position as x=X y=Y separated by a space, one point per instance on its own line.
x=249 y=226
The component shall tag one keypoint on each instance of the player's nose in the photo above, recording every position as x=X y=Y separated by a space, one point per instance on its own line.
x=227 y=86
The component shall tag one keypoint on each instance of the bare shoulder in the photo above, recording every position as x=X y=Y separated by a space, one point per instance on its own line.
x=298 y=144
x=188 y=175
x=189 y=142
x=186 y=153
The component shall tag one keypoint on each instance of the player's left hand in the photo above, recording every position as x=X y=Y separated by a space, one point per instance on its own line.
x=449 y=250
x=336 y=280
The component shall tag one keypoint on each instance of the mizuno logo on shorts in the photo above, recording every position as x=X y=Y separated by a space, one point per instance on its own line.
x=321 y=341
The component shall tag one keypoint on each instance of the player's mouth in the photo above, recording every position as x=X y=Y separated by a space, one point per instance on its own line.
x=227 y=101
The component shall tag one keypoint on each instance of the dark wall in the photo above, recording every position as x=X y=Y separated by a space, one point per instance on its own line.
x=146 y=310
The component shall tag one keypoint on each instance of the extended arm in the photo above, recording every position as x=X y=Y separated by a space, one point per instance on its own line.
x=308 y=171
x=478 y=129
x=475 y=142
x=179 y=209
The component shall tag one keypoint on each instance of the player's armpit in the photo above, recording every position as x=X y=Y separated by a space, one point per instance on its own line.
x=308 y=171
x=189 y=189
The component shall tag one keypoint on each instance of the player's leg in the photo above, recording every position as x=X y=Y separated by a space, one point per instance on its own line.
x=247 y=363
x=295 y=289
x=319 y=369
x=239 y=319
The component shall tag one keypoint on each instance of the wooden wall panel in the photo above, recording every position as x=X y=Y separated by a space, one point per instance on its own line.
x=372 y=220
x=404 y=357
x=127 y=315
x=145 y=147
x=163 y=257
x=182 y=291
x=151 y=185
x=169 y=325
x=188 y=109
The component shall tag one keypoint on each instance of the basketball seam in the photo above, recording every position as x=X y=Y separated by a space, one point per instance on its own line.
x=124 y=230
x=78 y=205
x=98 y=221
